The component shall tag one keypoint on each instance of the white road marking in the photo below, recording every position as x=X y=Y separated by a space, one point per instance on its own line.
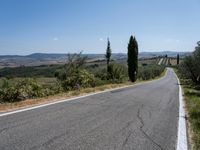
x=181 y=136
x=74 y=98
x=182 y=143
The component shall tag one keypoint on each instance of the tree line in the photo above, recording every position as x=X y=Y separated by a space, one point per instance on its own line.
x=77 y=74
x=132 y=60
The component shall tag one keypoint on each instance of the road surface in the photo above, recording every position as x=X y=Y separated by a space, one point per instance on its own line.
x=141 y=117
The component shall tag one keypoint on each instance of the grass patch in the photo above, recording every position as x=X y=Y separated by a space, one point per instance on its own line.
x=83 y=91
x=30 y=71
x=192 y=101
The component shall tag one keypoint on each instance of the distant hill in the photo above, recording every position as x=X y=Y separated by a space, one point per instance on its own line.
x=168 y=53
x=37 y=59
x=46 y=56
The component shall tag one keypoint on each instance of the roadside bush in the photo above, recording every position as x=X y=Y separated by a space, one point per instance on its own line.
x=61 y=74
x=101 y=74
x=28 y=88
x=117 y=73
x=19 y=90
x=74 y=76
x=8 y=92
x=190 y=67
x=52 y=89
x=80 y=78
x=150 y=72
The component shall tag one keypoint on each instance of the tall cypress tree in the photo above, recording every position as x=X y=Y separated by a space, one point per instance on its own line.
x=177 y=59
x=108 y=54
x=132 y=59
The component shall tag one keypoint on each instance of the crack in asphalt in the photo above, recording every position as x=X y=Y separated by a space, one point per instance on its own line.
x=2 y=130
x=126 y=139
x=13 y=126
x=141 y=129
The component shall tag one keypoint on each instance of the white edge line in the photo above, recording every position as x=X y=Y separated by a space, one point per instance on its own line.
x=182 y=143
x=74 y=98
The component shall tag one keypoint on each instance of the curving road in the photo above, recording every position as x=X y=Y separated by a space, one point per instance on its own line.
x=141 y=117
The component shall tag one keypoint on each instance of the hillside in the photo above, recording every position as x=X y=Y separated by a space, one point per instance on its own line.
x=37 y=59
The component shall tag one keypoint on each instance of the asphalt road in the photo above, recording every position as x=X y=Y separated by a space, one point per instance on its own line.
x=142 y=117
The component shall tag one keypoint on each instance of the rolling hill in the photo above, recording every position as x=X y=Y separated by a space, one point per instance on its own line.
x=37 y=59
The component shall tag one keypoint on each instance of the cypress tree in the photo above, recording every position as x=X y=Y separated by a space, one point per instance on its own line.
x=132 y=59
x=177 y=59
x=108 y=54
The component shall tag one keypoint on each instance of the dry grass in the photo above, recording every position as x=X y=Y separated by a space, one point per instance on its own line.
x=173 y=61
x=4 y=107
x=32 y=102
x=192 y=101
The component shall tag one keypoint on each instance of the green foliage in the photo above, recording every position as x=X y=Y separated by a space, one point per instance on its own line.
x=7 y=92
x=178 y=59
x=78 y=79
x=74 y=76
x=132 y=59
x=189 y=73
x=117 y=73
x=51 y=90
x=16 y=90
x=71 y=76
x=150 y=72
x=28 y=88
x=108 y=54
x=30 y=71
x=23 y=89
x=101 y=74
x=191 y=66
x=192 y=99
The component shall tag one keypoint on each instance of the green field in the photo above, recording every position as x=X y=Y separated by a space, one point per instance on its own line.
x=38 y=81
x=45 y=74
x=32 y=71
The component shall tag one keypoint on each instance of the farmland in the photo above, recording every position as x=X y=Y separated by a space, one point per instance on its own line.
x=48 y=71
x=166 y=61
x=45 y=80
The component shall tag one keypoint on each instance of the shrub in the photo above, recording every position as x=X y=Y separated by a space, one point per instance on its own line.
x=52 y=89
x=190 y=67
x=101 y=74
x=8 y=92
x=117 y=73
x=150 y=71
x=19 y=90
x=28 y=88
x=80 y=78
x=74 y=76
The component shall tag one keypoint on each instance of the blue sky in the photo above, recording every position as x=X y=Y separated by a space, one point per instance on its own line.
x=62 y=26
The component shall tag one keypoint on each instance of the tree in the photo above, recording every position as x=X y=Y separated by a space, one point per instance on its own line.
x=197 y=61
x=108 y=55
x=74 y=75
x=191 y=65
x=132 y=59
x=177 y=59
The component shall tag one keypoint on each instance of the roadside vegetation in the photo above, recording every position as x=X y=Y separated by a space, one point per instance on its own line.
x=189 y=74
x=18 y=84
